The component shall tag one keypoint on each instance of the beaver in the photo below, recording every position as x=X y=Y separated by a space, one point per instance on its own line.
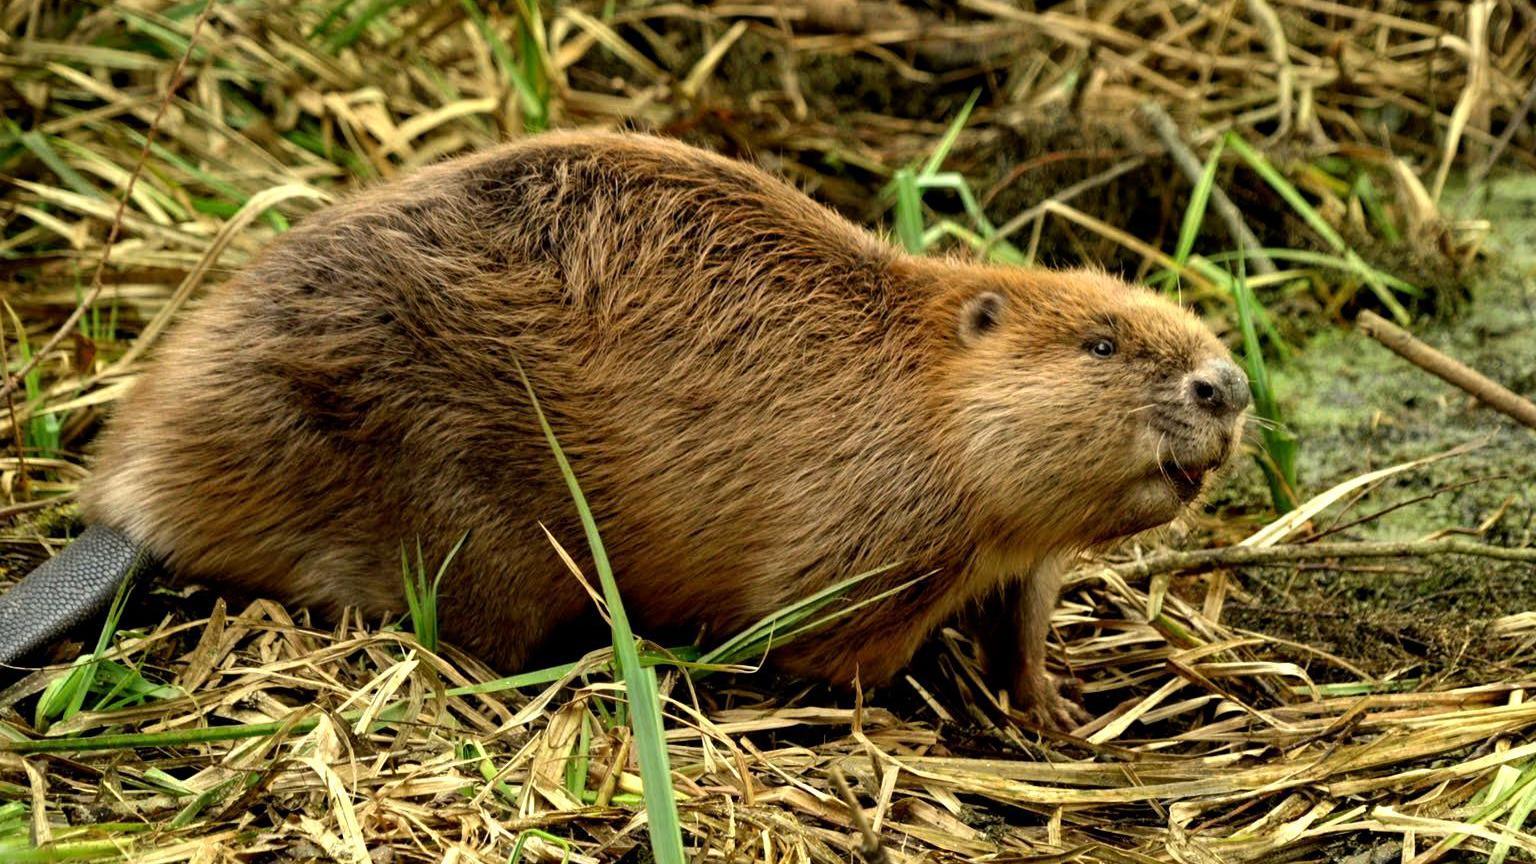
x=758 y=397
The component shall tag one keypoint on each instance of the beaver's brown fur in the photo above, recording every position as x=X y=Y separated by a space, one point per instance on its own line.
x=758 y=397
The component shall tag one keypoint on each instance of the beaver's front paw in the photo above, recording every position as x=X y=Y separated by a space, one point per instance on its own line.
x=1050 y=702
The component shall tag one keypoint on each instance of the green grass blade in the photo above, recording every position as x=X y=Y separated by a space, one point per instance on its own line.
x=639 y=681
x=994 y=249
x=277 y=220
x=1517 y=816
x=173 y=44
x=956 y=183
x=1373 y=282
x=64 y=697
x=408 y=575
x=421 y=595
x=129 y=687
x=952 y=134
x=443 y=568
x=909 y=211
x=788 y=615
x=576 y=769
x=535 y=108
x=202 y=801
x=1316 y=222
x=1272 y=176
x=1517 y=795
x=759 y=647
x=41 y=432
x=1365 y=190
x=39 y=146
x=113 y=849
x=355 y=28
x=533 y=54
x=1262 y=318
x=1318 y=259
x=1199 y=199
x=331 y=16
x=522 y=839
x=1280 y=469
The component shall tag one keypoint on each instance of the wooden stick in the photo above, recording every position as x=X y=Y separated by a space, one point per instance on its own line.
x=1486 y=390
x=1232 y=556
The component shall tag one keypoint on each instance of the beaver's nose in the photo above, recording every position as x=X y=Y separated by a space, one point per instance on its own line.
x=1218 y=387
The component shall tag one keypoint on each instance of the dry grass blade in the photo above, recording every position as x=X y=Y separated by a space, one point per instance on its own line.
x=10 y=383
x=1478 y=14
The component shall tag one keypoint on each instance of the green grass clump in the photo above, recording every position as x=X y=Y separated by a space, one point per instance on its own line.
x=112 y=684
x=421 y=594
x=1278 y=458
x=1378 y=282
x=40 y=433
x=906 y=189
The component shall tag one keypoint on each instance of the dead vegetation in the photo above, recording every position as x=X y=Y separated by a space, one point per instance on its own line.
x=215 y=734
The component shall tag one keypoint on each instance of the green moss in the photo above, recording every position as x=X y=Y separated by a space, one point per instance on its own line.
x=1357 y=407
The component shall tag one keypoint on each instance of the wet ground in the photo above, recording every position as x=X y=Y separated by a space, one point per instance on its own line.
x=1356 y=407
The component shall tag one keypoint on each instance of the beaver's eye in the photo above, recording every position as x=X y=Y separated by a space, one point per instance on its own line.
x=1102 y=347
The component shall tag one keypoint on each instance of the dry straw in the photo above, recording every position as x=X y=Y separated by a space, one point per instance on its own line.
x=247 y=733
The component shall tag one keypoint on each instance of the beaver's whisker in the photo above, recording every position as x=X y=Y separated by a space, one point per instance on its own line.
x=1162 y=464
x=1174 y=458
x=1252 y=433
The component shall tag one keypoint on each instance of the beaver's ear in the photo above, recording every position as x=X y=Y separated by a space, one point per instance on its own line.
x=980 y=315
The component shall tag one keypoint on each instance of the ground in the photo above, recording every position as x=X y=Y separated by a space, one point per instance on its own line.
x=1356 y=407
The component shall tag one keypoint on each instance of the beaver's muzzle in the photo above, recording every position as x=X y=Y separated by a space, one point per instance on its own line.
x=1213 y=396
x=1217 y=387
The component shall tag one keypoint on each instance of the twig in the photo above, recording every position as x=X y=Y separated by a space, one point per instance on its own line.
x=1486 y=390
x=1168 y=132
x=1274 y=38
x=39 y=504
x=117 y=219
x=870 y=848
x=1516 y=120
x=1334 y=529
x=1106 y=176
x=1231 y=556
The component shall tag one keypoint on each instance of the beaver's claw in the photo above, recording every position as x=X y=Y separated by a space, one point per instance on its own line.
x=1052 y=703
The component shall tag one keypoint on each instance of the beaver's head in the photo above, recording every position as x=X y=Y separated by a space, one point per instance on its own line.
x=1086 y=408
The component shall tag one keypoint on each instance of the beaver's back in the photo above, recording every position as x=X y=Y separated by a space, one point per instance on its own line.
x=731 y=367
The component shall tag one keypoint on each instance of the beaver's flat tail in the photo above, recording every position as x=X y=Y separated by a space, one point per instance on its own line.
x=67 y=590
